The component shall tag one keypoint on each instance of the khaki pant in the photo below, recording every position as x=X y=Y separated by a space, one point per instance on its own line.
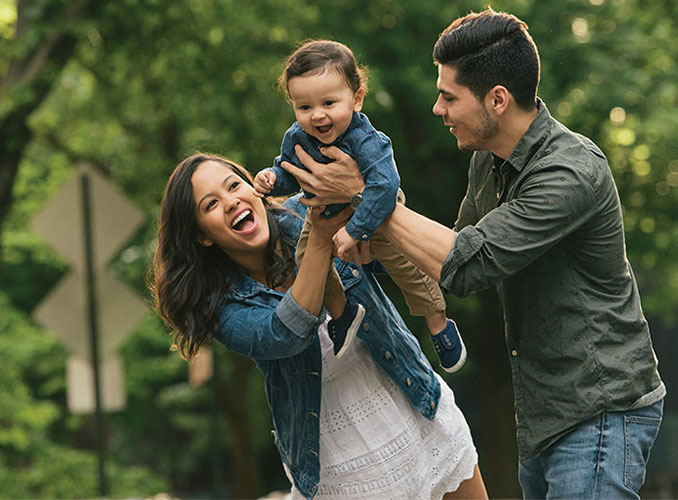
x=422 y=294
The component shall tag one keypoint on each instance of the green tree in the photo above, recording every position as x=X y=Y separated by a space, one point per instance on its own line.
x=133 y=86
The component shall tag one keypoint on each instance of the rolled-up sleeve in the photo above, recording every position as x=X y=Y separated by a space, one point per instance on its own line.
x=297 y=319
x=263 y=332
x=549 y=205
x=467 y=243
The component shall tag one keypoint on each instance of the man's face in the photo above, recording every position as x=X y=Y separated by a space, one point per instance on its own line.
x=463 y=113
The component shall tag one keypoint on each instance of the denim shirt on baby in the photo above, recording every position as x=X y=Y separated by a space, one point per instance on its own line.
x=371 y=149
x=281 y=337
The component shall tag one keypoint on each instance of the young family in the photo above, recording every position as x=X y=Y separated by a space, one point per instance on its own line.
x=358 y=411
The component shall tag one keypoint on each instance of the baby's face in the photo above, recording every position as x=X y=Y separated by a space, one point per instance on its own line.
x=324 y=103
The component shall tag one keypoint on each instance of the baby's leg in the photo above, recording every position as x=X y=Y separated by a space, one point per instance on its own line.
x=424 y=298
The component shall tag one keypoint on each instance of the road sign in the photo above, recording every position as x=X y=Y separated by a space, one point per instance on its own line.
x=66 y=311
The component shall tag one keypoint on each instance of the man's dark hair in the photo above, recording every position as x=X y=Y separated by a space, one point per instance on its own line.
x=491 y=48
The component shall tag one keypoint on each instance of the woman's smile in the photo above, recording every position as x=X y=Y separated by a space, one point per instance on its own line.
x=245 y=222
x=228 y=213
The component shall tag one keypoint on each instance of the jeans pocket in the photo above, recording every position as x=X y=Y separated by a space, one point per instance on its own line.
x=639 y=435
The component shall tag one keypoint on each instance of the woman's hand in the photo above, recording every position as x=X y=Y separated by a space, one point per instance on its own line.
x=309 y=285
x=324 y=228
x=335 y=182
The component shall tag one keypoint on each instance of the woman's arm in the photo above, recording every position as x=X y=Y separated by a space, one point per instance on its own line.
x=308 y=288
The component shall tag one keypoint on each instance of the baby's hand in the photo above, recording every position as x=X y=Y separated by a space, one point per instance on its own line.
x=345 y=245
x=263 y=182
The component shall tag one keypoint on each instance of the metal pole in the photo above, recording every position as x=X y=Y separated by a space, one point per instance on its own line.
x=93 y=325
x=215 y=417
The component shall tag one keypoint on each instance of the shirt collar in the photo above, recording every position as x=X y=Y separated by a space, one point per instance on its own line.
x=533 y=138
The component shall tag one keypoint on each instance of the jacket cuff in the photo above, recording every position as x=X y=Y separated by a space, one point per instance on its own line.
x=358 y=233
x=297 y=319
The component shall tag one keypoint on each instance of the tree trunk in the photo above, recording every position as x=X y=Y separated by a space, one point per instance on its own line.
x=236 y=405
x=28 y=82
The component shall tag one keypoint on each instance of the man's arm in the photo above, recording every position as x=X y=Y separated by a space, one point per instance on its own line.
x=425 y=242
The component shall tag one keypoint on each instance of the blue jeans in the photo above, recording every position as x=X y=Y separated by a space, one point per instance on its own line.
x=602 y=458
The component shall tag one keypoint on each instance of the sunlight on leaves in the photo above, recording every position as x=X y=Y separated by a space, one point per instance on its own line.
x=624 y=136
x=580 y=30
x=7 y=18
x=617 y=115
x=642 y=168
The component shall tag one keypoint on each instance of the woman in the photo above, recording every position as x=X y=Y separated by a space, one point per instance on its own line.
x=378 y=423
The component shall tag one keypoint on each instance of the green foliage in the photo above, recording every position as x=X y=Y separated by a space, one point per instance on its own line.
x=37 y=457
x=151 y=82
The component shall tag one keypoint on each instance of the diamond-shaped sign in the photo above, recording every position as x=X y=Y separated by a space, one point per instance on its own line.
x=114 y=219
x=66 y=311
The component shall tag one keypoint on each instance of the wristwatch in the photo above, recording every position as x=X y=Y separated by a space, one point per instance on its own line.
x=356 y=200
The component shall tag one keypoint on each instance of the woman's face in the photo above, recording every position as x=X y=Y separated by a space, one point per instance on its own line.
x=228 y=213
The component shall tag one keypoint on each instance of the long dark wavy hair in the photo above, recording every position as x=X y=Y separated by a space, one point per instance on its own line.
x=189 y=281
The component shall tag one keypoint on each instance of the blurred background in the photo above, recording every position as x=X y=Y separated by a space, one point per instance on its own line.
x=130 y=87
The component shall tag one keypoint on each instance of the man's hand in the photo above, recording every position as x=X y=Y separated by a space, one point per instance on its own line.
x=335 y=182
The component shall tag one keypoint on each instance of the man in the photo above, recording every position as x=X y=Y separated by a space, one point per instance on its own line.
x=541 y=221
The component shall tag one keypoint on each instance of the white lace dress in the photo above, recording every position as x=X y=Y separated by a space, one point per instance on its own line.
x=403 y=456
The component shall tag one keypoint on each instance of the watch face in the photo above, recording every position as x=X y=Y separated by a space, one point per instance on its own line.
x=355 y=200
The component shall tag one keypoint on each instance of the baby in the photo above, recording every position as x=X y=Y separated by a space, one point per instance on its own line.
x=326 y=87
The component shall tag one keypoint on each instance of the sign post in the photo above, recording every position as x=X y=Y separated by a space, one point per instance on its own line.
x=90 y=311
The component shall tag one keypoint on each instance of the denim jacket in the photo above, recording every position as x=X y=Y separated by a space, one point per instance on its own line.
x=281 y=337
x=371 y=149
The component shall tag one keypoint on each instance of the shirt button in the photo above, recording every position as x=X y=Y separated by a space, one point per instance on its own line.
x=364 y=236
x=433 y=405
x=514 y=353
x=327 y=212
x=313 y=414
x=366 y=327
x=387 y=354
x=408 y=382
x=355 y=273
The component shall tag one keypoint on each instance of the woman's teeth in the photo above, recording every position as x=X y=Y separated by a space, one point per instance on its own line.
x=240 y=218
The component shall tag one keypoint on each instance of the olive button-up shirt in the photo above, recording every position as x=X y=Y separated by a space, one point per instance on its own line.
x=545 y=228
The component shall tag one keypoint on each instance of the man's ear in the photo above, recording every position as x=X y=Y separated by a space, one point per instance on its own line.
x=498 y=99
x=358 y=99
